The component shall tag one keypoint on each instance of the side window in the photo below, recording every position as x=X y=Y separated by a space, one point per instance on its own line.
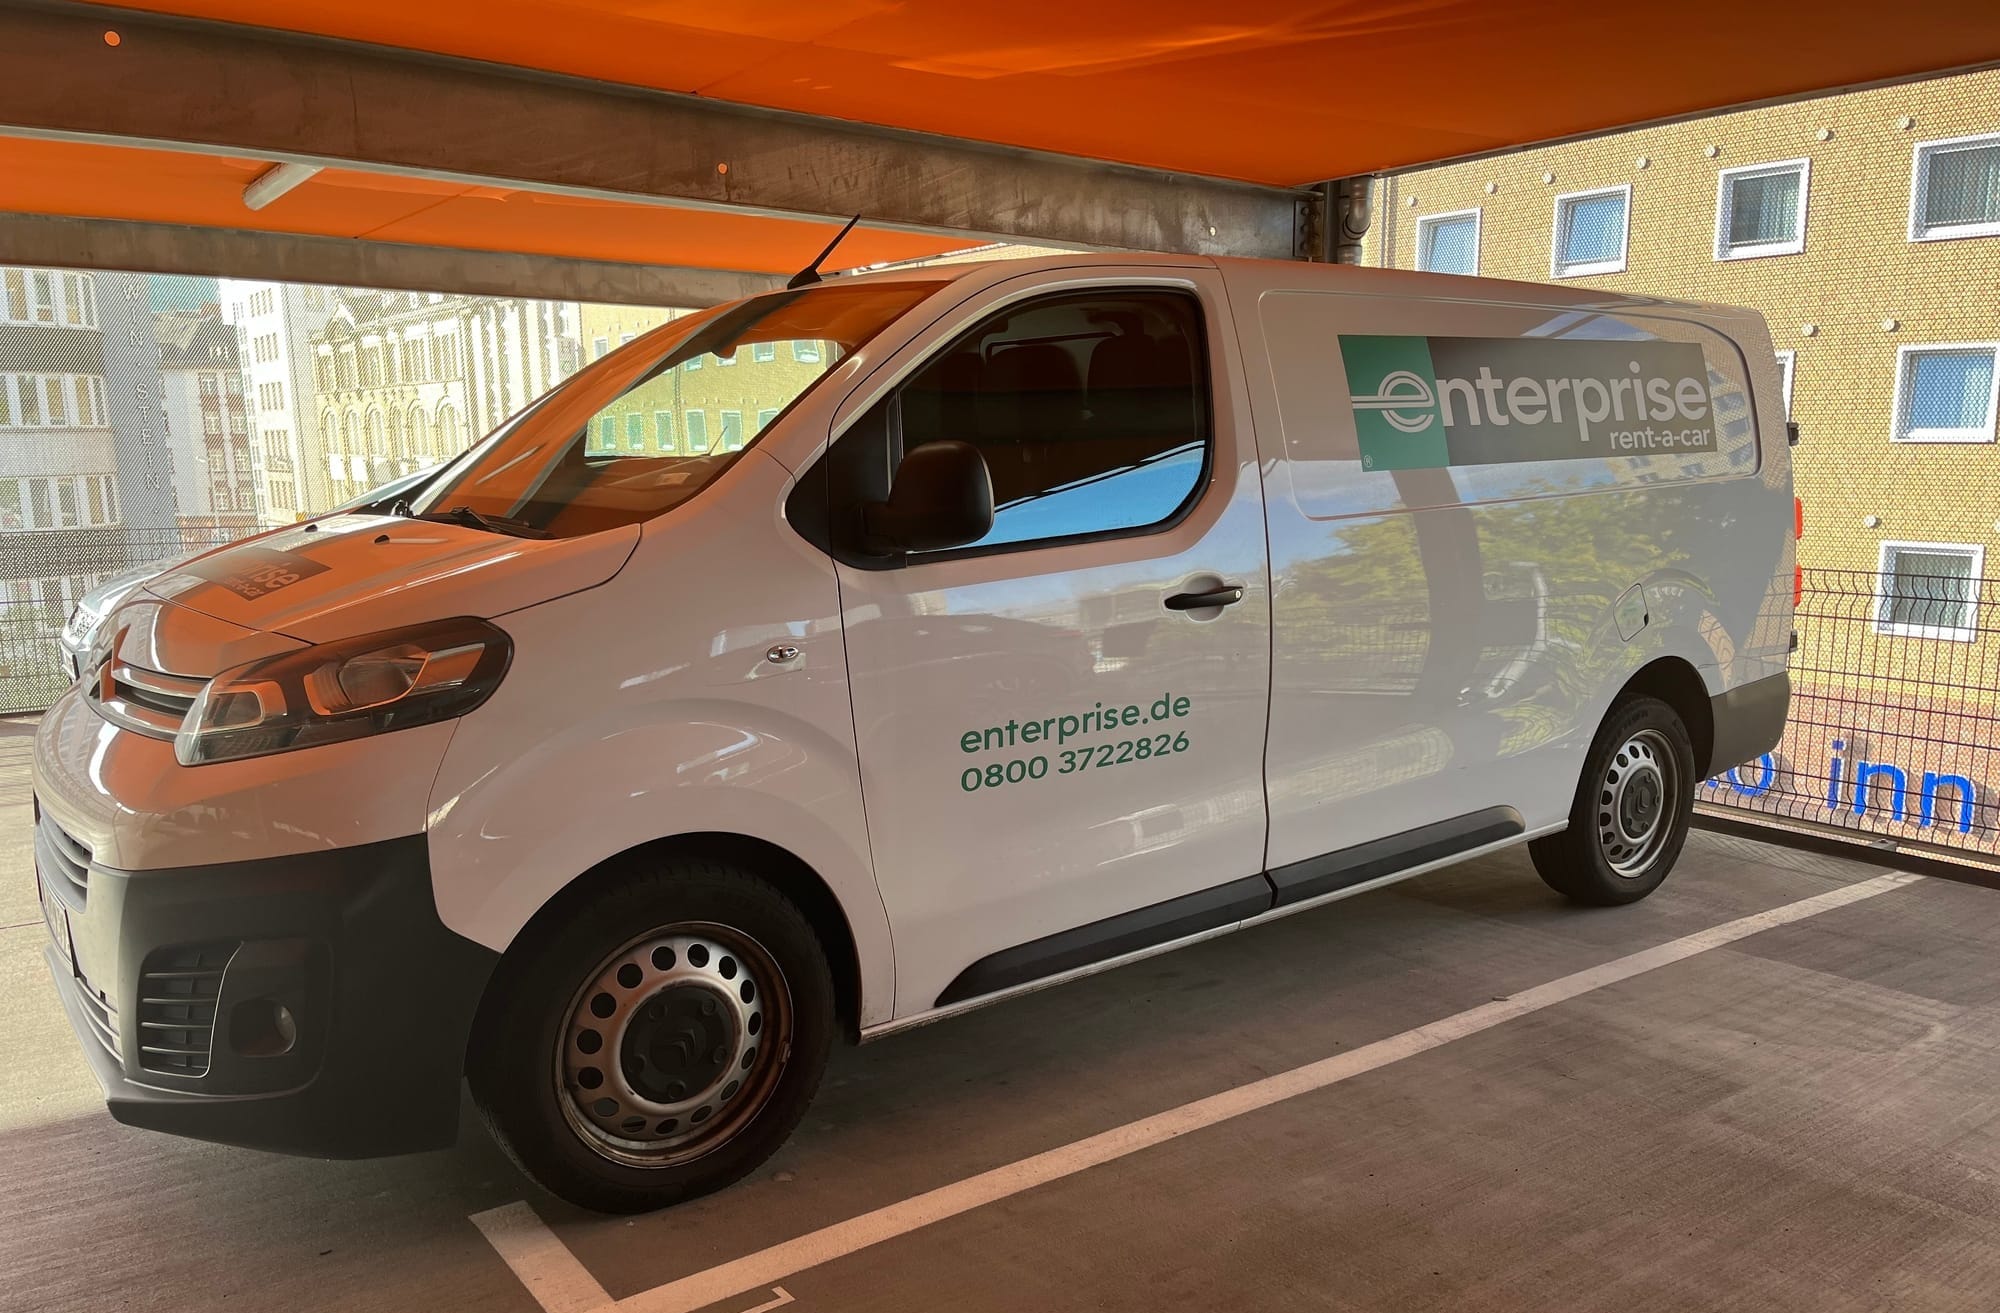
x=1091 y=411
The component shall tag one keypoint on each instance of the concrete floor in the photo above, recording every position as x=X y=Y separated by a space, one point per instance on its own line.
x=1807 y=1119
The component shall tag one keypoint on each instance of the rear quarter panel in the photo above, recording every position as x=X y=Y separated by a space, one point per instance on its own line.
x=1444 y=638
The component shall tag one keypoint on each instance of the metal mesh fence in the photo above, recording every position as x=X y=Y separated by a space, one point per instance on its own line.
x=1888 y=739
x=44 y=577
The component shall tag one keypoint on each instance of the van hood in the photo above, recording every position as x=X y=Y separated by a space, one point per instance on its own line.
x=356 y=574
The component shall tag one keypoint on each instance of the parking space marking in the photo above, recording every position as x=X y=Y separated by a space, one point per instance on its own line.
x=765 y=1267
x=544 y=1264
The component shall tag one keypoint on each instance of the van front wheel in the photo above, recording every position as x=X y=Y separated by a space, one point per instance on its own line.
x=1631 y=813
x=624 y=1071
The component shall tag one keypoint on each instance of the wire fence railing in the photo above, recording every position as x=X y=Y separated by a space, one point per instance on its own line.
x=43 y=576
x=1894 y=730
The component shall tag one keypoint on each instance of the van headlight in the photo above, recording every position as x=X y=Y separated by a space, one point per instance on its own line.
x=333 y=692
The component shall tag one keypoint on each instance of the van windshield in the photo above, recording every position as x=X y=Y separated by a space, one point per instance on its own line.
x=644 y=429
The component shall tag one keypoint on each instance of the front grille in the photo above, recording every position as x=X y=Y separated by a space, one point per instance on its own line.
x=63 y=861
x=177 y=992
x=145 y=701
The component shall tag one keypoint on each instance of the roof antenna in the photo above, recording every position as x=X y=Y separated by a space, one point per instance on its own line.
x=809 y=275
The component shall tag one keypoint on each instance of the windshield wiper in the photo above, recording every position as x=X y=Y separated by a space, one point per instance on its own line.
x=472 y=519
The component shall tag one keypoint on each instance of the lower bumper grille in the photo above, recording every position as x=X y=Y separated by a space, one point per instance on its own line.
x=103 y=1018
x=177 y=993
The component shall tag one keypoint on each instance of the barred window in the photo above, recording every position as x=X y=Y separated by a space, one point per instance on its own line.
x=1928 y=590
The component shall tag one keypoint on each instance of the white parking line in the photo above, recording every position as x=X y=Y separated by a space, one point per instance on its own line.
x=548 y=1269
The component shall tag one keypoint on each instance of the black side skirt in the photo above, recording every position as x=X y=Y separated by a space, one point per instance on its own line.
x=1396 y=852
x=1238 y=900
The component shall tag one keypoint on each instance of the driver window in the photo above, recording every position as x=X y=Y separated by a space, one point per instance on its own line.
x=1091 y=411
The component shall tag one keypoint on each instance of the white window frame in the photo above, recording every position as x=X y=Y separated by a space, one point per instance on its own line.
x=1920 y=178
x=1429 y=220
x=1585 y=270
x=1978 y=434
x=1788 y=368
x=1724 y=209
x=1967 y=633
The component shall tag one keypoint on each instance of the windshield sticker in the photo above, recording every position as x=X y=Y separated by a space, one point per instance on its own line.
x=1427 y=402
x=254 y=572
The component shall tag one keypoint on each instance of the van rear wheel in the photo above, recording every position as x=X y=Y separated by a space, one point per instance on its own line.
x=625 y=1072
x=1630 y=817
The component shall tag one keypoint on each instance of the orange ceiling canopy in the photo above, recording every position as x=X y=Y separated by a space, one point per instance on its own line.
x=1283 y=92
x=727 y=136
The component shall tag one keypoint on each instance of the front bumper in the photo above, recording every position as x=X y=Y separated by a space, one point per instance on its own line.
x=174 y=981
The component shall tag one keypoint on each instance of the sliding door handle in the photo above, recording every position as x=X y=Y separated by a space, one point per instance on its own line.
x=1229 y=595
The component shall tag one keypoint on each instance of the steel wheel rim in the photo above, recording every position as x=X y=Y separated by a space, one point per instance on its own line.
x=1636 y=802
x=645 y=1075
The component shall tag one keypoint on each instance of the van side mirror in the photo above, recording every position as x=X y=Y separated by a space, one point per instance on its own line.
x=942 y=496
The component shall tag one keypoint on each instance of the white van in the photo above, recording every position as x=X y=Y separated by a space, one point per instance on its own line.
x=849 y=656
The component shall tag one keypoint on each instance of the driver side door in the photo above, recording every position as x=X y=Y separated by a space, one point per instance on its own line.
x=1061 y=726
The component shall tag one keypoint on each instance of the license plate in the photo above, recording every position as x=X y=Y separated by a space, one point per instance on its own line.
x=56 y=916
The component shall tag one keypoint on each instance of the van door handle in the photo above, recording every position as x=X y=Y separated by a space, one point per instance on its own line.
x=1228 y=595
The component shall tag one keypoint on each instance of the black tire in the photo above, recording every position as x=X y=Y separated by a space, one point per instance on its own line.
x=685 y=991
x=1596 y=860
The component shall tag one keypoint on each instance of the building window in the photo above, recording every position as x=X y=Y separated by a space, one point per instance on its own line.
x=1760 y=209
x=635 y=432
x=1787 y=360
x=599 y=347
x=696 y=426
x=44 y=298
x=1929 y=590
x=729 y=359
x=805 y=350
x=1448 y=243
x=761 y=352
x=209 y=386
x=691 y=363
x=14 y=296
x=1946 y=393
x=764 y=418
x=732 y=430
x=1955 y=189
x=663 y=429
x=607 y=434
x=233 y=385
x=1590 y=232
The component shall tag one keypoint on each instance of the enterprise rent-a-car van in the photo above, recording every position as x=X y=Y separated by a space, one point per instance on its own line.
x=1013 y=621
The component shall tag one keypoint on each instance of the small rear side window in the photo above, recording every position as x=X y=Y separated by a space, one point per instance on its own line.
x=1091 y=411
